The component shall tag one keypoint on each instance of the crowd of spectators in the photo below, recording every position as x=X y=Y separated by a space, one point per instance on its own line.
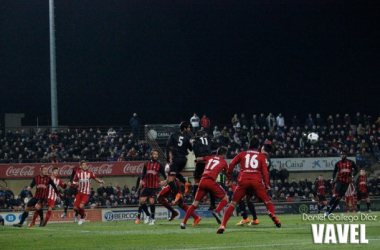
x=70 y=145
x=359 y=136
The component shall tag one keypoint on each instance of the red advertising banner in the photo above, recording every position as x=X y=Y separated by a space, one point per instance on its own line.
x=13 y=171
x=92 y=215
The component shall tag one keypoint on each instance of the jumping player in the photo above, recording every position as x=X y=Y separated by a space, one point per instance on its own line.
x=39 y=199
x=176 y=155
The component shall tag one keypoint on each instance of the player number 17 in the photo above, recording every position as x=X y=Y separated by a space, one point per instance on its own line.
x=215 y=163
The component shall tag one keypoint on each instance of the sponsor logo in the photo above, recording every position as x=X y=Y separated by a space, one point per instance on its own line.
x=133 y=169
x=17 y=172
x=10 y=217
x=120 y=215
x=303 y=208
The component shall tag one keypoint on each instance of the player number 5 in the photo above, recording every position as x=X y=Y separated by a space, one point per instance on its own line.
x=180 y=141
x=251 y=161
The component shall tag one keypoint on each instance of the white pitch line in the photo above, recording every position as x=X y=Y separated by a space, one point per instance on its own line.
x=250 y=246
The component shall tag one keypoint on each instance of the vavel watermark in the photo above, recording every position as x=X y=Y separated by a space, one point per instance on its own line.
x=339 y=233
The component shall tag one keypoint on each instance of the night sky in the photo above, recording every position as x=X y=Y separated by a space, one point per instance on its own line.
x=167 y=59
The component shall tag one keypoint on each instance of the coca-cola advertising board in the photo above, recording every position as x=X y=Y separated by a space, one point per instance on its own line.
x=15 y=171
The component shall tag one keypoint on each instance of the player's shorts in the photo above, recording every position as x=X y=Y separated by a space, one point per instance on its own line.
x=199 y=169
x=81 y=198
x=321 y=198
x=349 y=198
x=72 y=191
x=167 y=192
x=51 y=203
x=340 y=188
x=250 y=187
x=34 y=201
x=209 y=186
x=149 y=192
x=178 y=164
x=361 y=196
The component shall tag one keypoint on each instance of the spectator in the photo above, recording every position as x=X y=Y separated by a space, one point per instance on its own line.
x=235 y=122
x=295 y=122
x=271 y=121
x=284 y=174
x=195 y=122
x=216 y=132
x=24 y=193
x=262 y=121
x=309 y=121
x=280 y=121
x=135 y=124
x=205 y=121
x=101 y=190
x=243 y=121
x=110 y=190
x=254 y=121
x=274 y=174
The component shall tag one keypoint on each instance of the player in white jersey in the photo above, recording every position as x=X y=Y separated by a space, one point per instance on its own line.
x=83 y=180
x=349 y=198
x=52 y=196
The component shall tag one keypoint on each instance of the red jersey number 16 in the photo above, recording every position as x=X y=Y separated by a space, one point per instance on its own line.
x=251 y=161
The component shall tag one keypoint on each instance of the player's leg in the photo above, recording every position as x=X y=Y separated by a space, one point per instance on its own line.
x=340 y=190
x=359 y=200
x=218 y=191
x=51 y=204
x=31 y=203
x=66 y=204
x=243 y=213
x=262 y=195
x=239 y=193
x=161 y=198
x=368 y=203
x=142 y=200
x=198 y=197
x=322 y=202
x=252 y=209
x=152 y=209
x=347 y=201
x=35 y=215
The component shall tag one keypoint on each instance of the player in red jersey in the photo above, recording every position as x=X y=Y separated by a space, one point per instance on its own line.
x=320 y=188
x=72 y=191
x=344 y=169
x=39 y=199
x=253 y=172
x=83 y=179
x=362 y=190
x=51 y=197
x=349 y=198
x=149 y=179
x=208 y=184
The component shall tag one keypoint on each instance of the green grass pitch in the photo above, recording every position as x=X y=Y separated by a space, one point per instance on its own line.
x=294 y=233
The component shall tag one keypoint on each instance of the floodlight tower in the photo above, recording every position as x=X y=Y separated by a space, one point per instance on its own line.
x=53 y=73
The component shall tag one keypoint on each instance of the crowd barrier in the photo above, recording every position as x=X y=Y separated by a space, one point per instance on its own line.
x=130 y=213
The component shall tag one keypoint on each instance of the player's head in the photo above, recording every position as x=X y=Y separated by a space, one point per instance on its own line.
x=362 y=172
x=184 y=127
x=320 y=177
x=83 y=165
x=222 y=151
x=200 y=133
x=43 y=170
x=54 y=171
x=154 y=155
x=343 y=154
x=254 y=143
x=267 y=147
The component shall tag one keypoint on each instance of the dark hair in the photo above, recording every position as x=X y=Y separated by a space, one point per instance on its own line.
x=81 y=162
x=268 y=148
x=183 y=125
x=221 y=151
x=254 y=143
x=54 y=169
x=200 y=133
x=153 y=150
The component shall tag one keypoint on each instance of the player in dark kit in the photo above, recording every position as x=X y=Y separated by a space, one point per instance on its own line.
x=344 y=170
x=72 y=191
x=149 y=179
x=39 y=199
x=201 y=147
x=320 y=188
x=176 y=155
x=362 y=190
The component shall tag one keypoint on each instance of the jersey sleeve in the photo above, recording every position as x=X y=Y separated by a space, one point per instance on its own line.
x=234 y=161
x=51 y=182
x=92 y=175
x=162 y=171
x=143 y=172
x=264 y=171
x=33 y=183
